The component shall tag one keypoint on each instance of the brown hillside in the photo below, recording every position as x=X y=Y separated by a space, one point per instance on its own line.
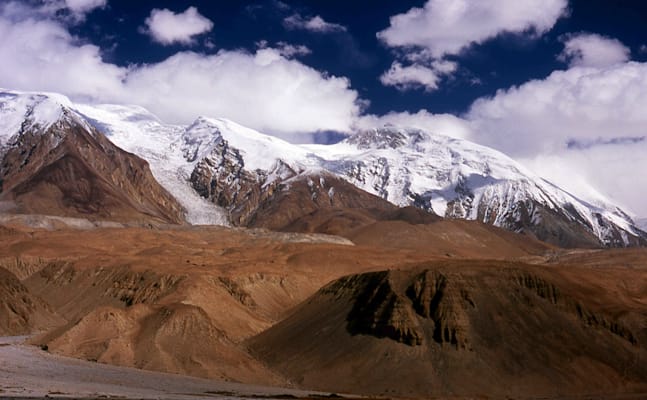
x=69 y=171
x=467 y=329
x=20 y=311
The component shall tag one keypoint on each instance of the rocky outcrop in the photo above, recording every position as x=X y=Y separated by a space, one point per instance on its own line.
x=382 y=312
x=276 y=198
x=385 y=305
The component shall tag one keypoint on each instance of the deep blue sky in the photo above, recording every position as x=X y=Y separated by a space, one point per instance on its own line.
x=357 y=53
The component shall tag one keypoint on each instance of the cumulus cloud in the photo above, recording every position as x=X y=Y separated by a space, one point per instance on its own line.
x=448 y=26
x=443 y=124
x=42 y=55
x=290 y=50
x=426 y=36
x=587 y=121
x=264 y=90
x=166 y=27
x=592 y=50
x=417 y=75
x=577 y=104
x=313 y=24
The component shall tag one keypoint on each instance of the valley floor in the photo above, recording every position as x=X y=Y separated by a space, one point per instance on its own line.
x=29 y=372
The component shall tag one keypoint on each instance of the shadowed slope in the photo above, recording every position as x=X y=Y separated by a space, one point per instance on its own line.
x=465 y=328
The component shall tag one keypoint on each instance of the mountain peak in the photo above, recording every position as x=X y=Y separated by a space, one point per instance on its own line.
x=386 y=137
x=36 y=111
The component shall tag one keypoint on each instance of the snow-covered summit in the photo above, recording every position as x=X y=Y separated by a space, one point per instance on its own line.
x=454 y=178
x=259 y=151
x=25 y=110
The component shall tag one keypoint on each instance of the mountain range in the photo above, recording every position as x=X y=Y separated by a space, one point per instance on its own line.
x=121 y=162
x=397 y=263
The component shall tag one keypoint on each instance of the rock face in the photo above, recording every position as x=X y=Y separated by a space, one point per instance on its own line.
x=62 y=166
x=274 y=198
x=446 y=324
x=382 y=309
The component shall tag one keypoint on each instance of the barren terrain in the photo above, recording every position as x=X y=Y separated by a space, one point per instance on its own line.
x=396 y=309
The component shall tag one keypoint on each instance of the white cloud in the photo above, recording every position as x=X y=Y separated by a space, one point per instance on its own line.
x=85 y=6
x=263 y=90
x=592 y=50
x=449 y=26
x=42 y=55
x=444 y=124
x=599 y=111
x=577 y=104
x=314 y=24
x=290 y=50
x=166 y=27
x=417 y=75
x=613 y=174
x=287 y=50
x=426 y=36
x=68 y=11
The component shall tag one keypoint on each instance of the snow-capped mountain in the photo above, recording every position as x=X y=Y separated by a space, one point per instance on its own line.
x=459 y=179
x=216 y=161
x=54 y=162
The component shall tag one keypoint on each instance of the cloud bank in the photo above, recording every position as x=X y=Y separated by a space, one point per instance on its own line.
x=266 y=90
x=584 y=121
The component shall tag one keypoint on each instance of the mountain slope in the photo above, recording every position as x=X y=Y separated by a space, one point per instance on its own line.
x=20 y=311
x=453 y=178
x=463 y=329
x=245 y=173
x=642 y=223
x=221 y=173
x=55 y=163
x=459 y=179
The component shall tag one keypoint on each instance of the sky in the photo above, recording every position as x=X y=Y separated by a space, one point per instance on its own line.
x=559 y=85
